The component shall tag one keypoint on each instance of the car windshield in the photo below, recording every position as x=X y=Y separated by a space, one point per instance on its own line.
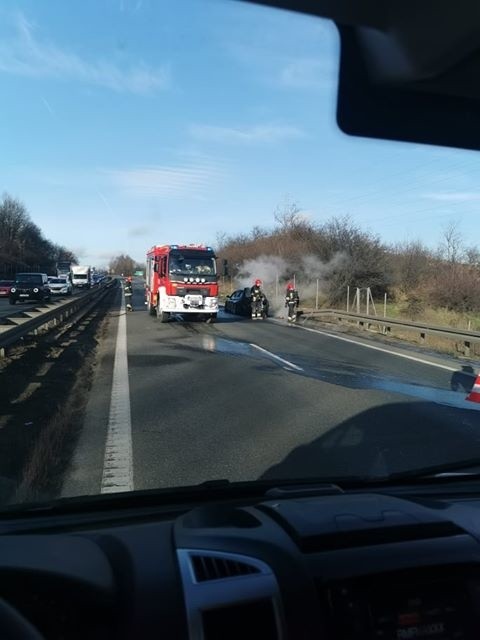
x=181 y=151
x=185 y=265
x=33 y=278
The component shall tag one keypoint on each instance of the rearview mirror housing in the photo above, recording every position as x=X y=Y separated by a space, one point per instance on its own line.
x=441 y=109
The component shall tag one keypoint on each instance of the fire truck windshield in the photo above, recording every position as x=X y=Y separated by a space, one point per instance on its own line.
x=188 y=265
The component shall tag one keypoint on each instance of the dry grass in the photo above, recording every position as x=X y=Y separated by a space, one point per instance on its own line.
x=48 y=459
x=442 y=317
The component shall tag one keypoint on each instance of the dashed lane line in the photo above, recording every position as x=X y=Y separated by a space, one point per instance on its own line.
x=27 y=392
x=288 y=364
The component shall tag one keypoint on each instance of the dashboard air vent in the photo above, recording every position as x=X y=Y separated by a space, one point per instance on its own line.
x=215 y=568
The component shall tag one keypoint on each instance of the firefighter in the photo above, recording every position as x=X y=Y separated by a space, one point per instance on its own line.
x=292 y=301
x=128 y=293
x=257 y=299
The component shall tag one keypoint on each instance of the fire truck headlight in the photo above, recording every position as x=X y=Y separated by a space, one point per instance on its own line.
x=171 y=303
x=211 y=302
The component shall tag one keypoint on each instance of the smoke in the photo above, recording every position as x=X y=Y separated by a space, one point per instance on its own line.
x=307 y=273
x=267 y=268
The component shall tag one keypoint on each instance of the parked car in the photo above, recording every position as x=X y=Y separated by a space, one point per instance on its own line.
x=60 y=286
x=5 y=286
x=238 y=303
x=30 y=286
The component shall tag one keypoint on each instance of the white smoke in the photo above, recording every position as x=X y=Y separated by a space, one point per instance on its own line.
x=314 y=270
x=275 y=272
x=268 y=269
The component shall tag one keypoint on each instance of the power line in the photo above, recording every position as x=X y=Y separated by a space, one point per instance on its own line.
x=382 y=192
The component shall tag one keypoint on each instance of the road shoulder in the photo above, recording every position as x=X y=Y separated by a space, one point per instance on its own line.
x=84 y=474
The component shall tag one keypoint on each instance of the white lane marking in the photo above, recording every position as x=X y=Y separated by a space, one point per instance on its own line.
x=27 y=392
x=118 y=463
x=290 y=365
x=376 y=348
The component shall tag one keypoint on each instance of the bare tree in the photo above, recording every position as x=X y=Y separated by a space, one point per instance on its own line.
x=22 y=243
x=412 y=265
x=122 y=264
x=14 y=220
x=287 y=215
x=451 y=247
x=472 y=256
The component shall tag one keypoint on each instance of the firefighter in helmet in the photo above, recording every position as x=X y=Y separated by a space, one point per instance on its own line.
x=292 y=301
x=257 y=299
x=128 y=293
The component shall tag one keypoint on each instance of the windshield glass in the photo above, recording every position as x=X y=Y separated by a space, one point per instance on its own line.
x=26 y=278
x=140 y=135
x=56 y=281
x=191 y=265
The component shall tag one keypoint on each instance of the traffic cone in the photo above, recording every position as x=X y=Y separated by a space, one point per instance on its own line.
x=474 y=395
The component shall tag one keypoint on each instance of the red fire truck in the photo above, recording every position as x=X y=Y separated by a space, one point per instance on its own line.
x=181 y=279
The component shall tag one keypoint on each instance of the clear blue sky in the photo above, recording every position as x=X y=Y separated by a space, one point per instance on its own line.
x=127 y=123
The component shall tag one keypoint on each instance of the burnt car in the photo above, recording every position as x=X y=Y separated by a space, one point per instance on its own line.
x=5 y=286
x=30 y=286
x=239 y=303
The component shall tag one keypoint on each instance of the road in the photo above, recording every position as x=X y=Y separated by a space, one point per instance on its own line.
x=242 y=400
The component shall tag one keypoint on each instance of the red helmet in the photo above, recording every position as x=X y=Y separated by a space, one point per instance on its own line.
x=258 y=282
x=289 y=286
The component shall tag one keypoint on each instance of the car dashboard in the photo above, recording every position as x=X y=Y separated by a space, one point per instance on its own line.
x=291 y=565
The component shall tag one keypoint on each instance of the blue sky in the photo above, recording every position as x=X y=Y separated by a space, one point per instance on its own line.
x=128 y=123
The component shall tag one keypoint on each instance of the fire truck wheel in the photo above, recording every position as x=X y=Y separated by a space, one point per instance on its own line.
x=151 y=309
x=163 y=316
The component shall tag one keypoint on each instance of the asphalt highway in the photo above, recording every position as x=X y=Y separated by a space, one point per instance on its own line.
x=242 y=400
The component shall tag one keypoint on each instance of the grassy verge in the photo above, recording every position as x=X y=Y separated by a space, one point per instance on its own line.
x=45 y=389
x=48 y=459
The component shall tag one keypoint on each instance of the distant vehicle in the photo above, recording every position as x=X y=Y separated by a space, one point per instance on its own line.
x=64 y=269
x=239 y=303
x=97 y=278
x=30 y=286
x=81 y=276
x=60 y=286
x=5 y=286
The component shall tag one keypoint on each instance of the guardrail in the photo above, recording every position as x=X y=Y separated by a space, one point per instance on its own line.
x=43 y=317
x=386 y=324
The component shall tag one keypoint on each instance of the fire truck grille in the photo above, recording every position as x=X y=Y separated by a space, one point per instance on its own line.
x=182 y=291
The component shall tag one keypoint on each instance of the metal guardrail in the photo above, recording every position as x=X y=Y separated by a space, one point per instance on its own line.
x=366 y=321
x=34 y=319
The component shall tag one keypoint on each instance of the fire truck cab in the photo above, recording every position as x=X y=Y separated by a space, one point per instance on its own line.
x=181 y=279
